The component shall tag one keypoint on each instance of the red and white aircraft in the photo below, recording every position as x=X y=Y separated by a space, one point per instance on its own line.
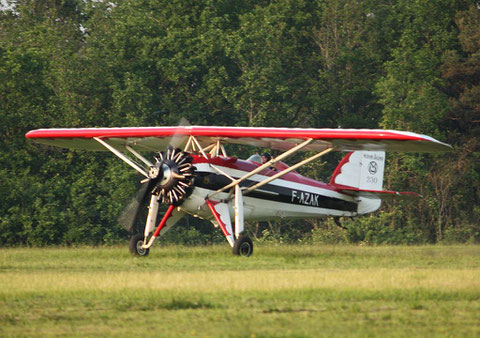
x=199 y=178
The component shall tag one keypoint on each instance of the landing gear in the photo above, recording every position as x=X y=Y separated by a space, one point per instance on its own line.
x=243 y=246
x=136 y=242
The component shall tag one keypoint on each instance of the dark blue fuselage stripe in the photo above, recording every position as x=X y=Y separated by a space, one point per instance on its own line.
x=270 y=192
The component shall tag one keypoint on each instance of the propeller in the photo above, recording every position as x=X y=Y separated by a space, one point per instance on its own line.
x=177 y=140
x=131 y=214
x=173 y=175
x=170 y=178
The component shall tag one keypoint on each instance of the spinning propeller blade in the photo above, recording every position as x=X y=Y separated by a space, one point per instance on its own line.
x=177 y=141
x=170 y=178
x=130 y=215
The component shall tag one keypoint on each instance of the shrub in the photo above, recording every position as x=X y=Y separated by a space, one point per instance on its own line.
x=329 y=233
x=382 y=228
x=464 y=234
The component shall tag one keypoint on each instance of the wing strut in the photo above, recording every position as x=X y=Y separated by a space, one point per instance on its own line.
x=264 y=166
x=122 y=156
x=194 y=145
x=140 y=157
x=286 y=171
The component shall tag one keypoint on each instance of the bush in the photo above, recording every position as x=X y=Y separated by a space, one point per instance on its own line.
x=382 y=229
x=193 y=235
x=465 y=234
x=329 y=233
x=269 y=236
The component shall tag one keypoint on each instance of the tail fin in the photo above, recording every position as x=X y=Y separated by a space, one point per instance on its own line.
x=361 y=171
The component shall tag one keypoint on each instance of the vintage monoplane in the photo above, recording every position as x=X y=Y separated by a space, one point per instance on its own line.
x=197 y=177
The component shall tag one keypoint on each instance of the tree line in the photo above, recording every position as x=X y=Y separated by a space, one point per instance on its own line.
x=396 y=64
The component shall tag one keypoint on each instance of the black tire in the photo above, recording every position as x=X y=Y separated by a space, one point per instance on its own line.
x=136 y=242
x=243 y=247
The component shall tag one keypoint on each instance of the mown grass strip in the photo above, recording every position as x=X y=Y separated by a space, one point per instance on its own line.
x=204 y=291
x=238 y=281
x=219 y=257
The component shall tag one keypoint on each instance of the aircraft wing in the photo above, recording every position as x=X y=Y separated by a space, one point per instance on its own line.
x=157 y=138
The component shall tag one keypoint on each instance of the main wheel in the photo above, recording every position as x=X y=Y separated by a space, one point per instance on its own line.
x=243 y=247
x=136 y=242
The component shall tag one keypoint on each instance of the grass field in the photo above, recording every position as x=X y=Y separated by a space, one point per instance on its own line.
x=280 y=291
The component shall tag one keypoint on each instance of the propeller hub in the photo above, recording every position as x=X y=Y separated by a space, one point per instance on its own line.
x=167 y=174
x=173 y=174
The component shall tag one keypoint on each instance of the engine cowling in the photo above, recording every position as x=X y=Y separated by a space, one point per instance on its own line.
x=174 y=174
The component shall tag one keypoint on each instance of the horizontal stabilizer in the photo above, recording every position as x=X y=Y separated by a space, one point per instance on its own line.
x=380 y=194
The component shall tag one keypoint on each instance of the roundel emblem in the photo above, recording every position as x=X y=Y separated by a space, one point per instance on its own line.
x=373 y=167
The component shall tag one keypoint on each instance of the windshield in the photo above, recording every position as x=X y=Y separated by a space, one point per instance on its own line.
x=255 y=158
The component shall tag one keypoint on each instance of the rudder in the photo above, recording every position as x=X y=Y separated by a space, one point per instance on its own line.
x=362 y=170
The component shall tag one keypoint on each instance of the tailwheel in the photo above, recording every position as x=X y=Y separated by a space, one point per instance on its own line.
x=136 y=242
x=243 y=246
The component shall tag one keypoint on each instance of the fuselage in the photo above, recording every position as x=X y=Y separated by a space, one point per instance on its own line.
x=291 y=196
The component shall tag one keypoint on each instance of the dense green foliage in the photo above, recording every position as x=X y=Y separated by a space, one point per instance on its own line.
x=402 y=64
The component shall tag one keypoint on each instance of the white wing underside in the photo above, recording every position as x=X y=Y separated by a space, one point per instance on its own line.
x=158 y=138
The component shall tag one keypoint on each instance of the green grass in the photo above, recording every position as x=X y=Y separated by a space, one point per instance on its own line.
x=281 y=291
